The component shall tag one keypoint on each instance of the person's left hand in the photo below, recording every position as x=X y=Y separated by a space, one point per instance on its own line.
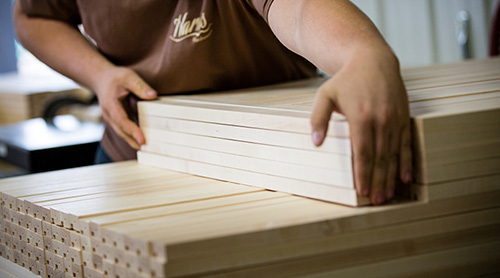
x=369 y=92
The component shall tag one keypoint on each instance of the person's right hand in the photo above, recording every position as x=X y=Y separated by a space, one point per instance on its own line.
x=113 y=87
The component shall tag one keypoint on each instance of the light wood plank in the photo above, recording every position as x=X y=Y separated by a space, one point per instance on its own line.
x=450 y=261
x=254 y=135
x=332 y=177
x=451 y=189
x=320 y=191
x=190 y=260
x=239 y=115
x=155 y=137
x=325 y=262
x=197 y=188
x=14 y=270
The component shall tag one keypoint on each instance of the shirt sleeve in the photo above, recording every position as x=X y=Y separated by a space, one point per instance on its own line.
x=63 y=10
x=262 y=7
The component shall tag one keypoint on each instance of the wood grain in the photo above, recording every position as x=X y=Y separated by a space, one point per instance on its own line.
x=135 y=220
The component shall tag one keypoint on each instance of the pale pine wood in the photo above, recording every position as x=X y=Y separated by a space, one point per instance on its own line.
x=10 y=270
x=435 y=103
x=254 y=135
x=448 y=80
x=452 y=69
x=239 y=115
x=188 y=191
x=182 y=265
x=322 y=192
x=454 y=90
x=74 y=176
x=451 y=105
x=171 y=209
x=156 y=138
x=182 y=248
x=332 y=177
x=325 y=262
x=452 y=109
x=451 y=189
x=460 y=170
x=138 y=221
x=466 y=152
x=460 y=204
x=342 y=221
x=450 y=260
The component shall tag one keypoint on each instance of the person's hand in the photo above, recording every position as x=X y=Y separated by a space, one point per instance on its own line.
x=112 y=88
x=370 y=93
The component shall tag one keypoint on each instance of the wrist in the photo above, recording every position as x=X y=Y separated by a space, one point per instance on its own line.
x=101 y=74
x=376 y=57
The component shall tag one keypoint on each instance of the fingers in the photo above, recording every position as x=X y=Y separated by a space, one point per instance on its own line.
x=117 y=85
x=136 y=85
x=376 y=148
x=362 y=137
x=405 y=156
x=117 y=118
x=320 y=117
x=392 y=169
x=380 y=163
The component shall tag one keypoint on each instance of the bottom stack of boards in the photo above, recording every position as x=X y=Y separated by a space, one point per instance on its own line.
x=129 y=220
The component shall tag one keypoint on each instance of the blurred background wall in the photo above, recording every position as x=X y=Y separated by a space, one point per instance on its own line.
x=423 y=32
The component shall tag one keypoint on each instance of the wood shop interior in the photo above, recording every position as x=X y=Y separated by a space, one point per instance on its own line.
x=229 y=183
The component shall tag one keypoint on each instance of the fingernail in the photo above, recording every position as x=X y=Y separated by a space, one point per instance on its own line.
x=150 y=93
x=379 y=199
x=317 y=137
x=389 y=193
x=137 y=138
x=407 y=177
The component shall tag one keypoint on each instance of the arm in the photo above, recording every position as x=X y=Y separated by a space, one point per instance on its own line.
x=65 y=49
x=366 y=87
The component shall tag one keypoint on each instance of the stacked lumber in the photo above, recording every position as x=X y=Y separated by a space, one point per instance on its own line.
x=130 y=220
x=25 y=96
x=251 y=137
x=455 y=113
x=261 y=137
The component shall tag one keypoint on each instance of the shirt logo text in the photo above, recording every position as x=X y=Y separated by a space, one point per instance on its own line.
x=197 y=28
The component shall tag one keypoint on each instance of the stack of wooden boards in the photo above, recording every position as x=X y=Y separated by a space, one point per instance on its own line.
x=130 y=220
x=261 y=137
x=250 y=138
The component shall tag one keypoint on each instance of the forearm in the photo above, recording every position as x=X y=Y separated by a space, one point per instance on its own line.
x=329 y=33
x=62 y=47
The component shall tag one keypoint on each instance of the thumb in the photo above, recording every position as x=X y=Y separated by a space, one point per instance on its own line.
x=320 y=117
x=136 y=85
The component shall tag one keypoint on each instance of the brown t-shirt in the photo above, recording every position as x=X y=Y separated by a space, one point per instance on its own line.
x=181 y=46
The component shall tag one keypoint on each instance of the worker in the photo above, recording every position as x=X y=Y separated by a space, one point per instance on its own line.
x=134 y=50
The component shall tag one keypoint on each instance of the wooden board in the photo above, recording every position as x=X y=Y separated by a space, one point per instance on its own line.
x=245 y=134
x=323 y=175
x=157 y=138
x=243 y=232
x=335 y=194
x=450 y=189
